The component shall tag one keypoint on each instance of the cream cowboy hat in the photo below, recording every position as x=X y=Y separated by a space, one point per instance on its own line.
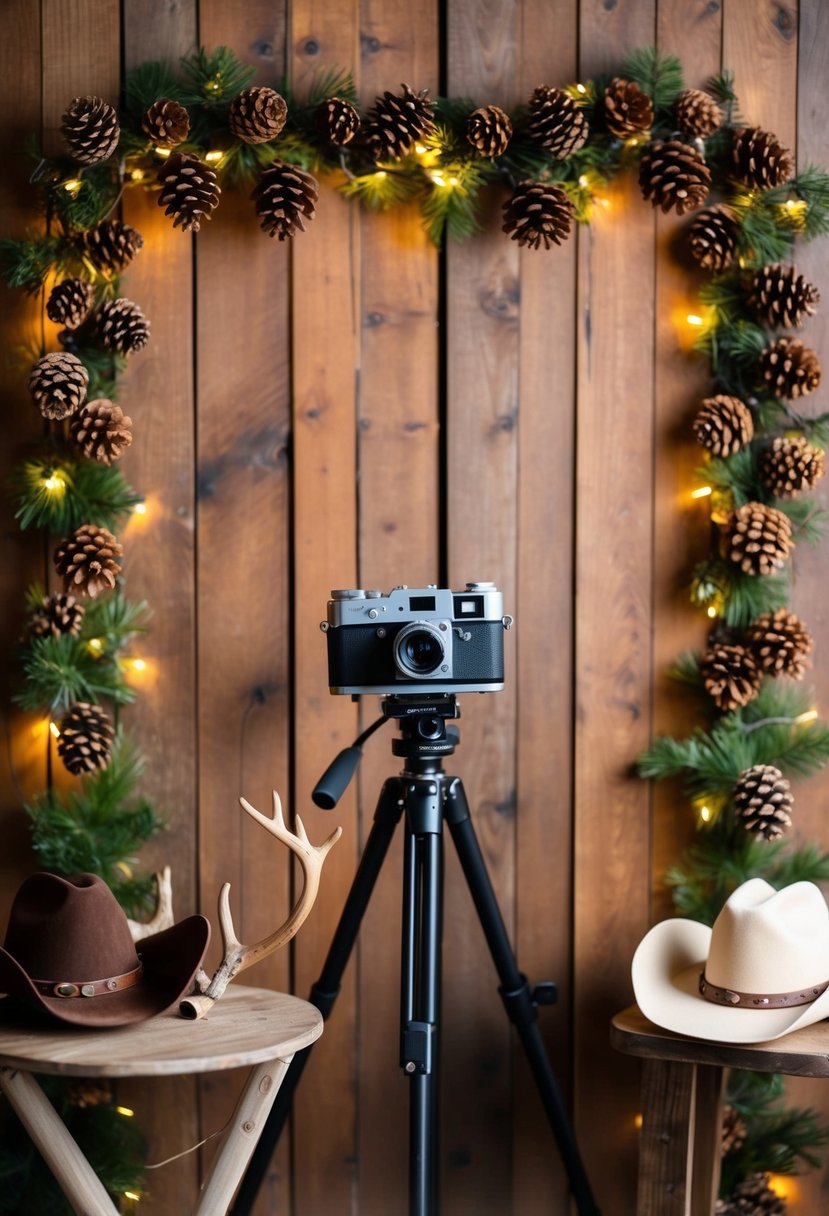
x=761 y=971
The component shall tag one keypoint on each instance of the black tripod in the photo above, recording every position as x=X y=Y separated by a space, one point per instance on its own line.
x=425 y=797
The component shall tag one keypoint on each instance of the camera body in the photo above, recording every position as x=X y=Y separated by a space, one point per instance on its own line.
x=416 y=640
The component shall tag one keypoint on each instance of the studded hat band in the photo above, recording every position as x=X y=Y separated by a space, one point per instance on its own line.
x=758 y=1000
x=66 y=988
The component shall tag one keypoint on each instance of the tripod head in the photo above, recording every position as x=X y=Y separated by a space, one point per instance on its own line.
x=424 y=737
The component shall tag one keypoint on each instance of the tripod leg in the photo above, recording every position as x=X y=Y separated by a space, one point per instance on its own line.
x=324 y=992
x=515 y=991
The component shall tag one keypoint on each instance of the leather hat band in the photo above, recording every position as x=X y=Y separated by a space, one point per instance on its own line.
x=758 y=1000
x=87 y=988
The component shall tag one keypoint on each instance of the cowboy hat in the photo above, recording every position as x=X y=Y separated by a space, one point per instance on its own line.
x=69 y=950
x=761 y=971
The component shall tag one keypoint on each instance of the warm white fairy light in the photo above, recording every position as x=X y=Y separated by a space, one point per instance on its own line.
x=701 y=492
x=54 y=483
x=55 y=729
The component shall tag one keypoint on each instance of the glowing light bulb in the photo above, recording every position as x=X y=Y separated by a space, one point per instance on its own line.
x=137 y=175
x=55 y=729
x=453 y=181
x=808 y=716
x=53 y=483
x=638 y=1121
x=705 y=814
x=73 y=186
x=125 y=1111
x=163 y=152
x=694 y=319
x=438 y=179
x=133 y=1195
x=95 y=646
x=420 y=149
x=214 y=156
x=138 y=664
x=580 y=88
x=583 y=180
x=380 y=173
x=701 y=492
x=140 y=508
x=711 y=611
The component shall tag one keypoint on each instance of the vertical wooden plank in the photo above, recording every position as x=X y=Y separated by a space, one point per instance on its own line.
x=325 y=269
x=398 y=432
x=159 y=565
x=613 y=621
x=482 y=324
x=544 y=637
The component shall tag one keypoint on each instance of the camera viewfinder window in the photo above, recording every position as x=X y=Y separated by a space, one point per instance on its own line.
x=421 y=603
x=469 y=605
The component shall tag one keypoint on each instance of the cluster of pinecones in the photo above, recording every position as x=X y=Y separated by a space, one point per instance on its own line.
x=776 y=644
x=753 y=1197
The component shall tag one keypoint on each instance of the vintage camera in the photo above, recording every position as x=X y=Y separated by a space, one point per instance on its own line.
x=416 y=640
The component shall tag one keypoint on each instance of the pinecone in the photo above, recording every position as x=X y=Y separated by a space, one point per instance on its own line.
x=782 y=297
x=283 y=195
x=87 y=1092
x=58 y=383
x=627 y=110
x=85 y=739
x=489 y=130
x=111 y=246
x=730 y=675
x=166 y=123
x=87 y=561
x=397 y=121
x=556 y=122
x=338 y=120
x=763 y=801
x=723 y=425
x=759 y=160
x=697 y=113
x=759 y=538
x=790 y=466
x=102 y=431
x=538 y=212
x=790 y=369
x=753 y=1197
x=90 y=128
x=70 y=302
x=257 y=115
x=734 y=1130
x=56 y=615
x=713 y=238
x=189 y=191
x=121 y=326
x=780 y=643
x=675 y=175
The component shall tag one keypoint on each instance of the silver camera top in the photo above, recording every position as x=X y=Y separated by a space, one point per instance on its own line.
x=356 y=606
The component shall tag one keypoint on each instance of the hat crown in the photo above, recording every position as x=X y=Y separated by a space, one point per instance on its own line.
x=69 y=929
x=768 y=941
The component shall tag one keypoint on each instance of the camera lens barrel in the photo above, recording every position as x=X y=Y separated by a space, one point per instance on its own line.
x=419 y=649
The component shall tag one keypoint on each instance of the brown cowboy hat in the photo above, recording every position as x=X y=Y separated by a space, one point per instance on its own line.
x=69 y=950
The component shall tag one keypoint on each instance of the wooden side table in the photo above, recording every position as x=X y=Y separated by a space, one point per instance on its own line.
x=248 y=1026
x=682 y=1086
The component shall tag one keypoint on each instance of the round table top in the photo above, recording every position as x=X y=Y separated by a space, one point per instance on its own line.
x=245 y=1026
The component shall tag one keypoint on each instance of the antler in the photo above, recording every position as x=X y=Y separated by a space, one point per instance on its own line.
x=163 y=918
x=237 y=956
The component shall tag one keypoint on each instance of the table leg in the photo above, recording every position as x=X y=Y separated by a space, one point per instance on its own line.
x=242 y=1135
x=78 y=1181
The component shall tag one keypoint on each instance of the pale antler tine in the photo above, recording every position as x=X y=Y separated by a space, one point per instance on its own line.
x=300 y=831
x=330 y=842
x=229 y=937
x=278 y=817
x=257 y=815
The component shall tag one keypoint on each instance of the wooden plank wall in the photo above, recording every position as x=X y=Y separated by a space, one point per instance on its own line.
x=356 y=409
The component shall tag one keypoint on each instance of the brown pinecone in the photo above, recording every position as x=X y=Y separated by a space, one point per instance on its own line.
x=759 y=160
x=723 y=425
x=189 y=191
x=782 y=297
x=780 y=643
x=538 y=212
x=56 y=615
x=166 y=123
x=730 y=675
x=758 y=538
x=102 y=431
x=87 y=1092
x=338 y=120
x=121 y=326
x=88 y=560
x=627 y=110
x=257 y=115
x=790 y=466
x=489 y=130
x=557 y=122
x=790 y=368
x=70 y=302
x=734 y=1130
x=111 y=246
x=284 y=195
x=397 y=121
x=697 y=113
x=58 y=383
x=763 y=801
x=674 y=176
x=85 y=739
x=753 y=1197
x=713 y=238
x=90 y=128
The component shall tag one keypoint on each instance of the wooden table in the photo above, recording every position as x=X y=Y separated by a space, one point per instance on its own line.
x=682 y=1087
x=248 y=1026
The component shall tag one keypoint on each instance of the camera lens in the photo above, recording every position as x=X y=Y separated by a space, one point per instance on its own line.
x=418 y=649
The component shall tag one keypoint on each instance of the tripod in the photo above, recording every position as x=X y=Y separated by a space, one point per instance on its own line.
x=424 y=797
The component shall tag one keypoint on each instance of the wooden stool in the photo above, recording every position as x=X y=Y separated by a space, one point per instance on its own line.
x=682 y=1086
x=247 y=1026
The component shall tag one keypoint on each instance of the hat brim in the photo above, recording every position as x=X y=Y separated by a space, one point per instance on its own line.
x=170 y=960
x=665 y=973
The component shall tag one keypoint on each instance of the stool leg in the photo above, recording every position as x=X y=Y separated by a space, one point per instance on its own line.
x=241 y=1138
x=76 y=1177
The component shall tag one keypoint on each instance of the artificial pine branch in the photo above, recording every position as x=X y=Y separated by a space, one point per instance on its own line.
x=61 y=670
x=657 y=74
x=90 y=493
x=384 y=188
x=809 y=519
x=114 y=620
x=27 y=263
x=213 y=78
x=145 y=85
